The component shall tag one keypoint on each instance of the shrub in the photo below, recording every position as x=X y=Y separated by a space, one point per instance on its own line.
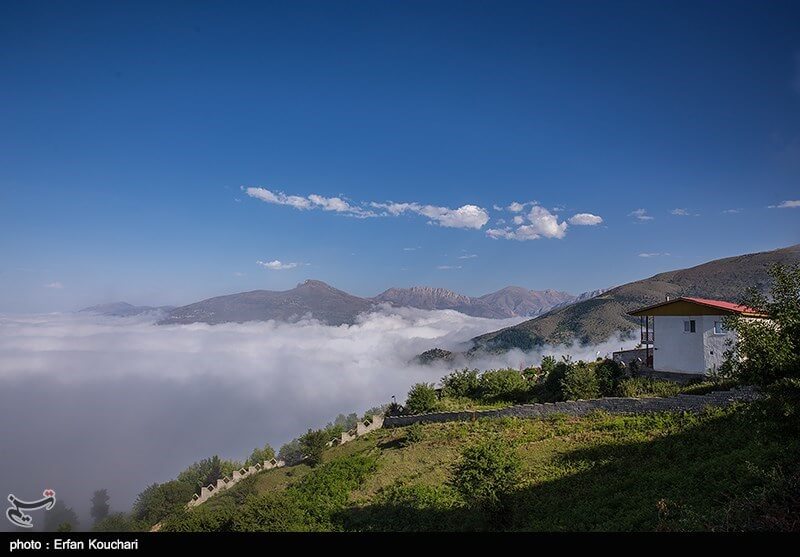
x=503 y=385
x=643 y=387
x=609 y=375
x=580 y=382
x=782 y=405
x=414 y=434
x=271 y=512
x=486 y=473
x=461 y=384
x=421 y=398
x=313 y=444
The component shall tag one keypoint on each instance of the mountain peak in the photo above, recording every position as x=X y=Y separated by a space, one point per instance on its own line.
x=316 y=284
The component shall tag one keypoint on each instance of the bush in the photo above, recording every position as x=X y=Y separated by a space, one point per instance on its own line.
x=486 y=473
x=580 y=382
x=291 y=453
x=782 y=405
x=414 y=434
x=643 y=387
x=161 y=500
x=421 y=398
x=461 y=384
x=272 y=512
x=313 y=444
x=609 y=375
x=548 y=365
x=503 y=385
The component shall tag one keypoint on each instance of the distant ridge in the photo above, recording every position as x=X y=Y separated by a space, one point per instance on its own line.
x=314 y=298
x=124 y=309
x=511 y=301
x=600 y=317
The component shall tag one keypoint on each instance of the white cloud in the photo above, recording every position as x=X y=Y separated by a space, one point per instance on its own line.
x=680 y=212
x=466 y=216
x=788 y=204
x=238 y=274
x=546 y=223
x=410 y=249
x=55 y=285
x=313 y=201
x=640 y=214
x=654 y=254
x=448 y=267
x=497 y=207
x=277 y=265
x=541 y=224
x=732 y=211
x=515 y=207
x=585 y=219
x=468 y=256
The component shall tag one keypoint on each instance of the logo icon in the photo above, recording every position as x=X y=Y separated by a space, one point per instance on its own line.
x=16 y=515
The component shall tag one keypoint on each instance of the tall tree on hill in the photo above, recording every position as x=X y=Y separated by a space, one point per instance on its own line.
x=100 y=506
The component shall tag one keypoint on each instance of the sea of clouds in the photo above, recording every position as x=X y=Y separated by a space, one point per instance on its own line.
x=89 y=402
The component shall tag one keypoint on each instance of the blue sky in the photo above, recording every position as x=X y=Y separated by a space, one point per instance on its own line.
x=384 y=142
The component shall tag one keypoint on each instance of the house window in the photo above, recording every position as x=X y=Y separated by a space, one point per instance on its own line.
x=689 y=326
x=719 y=328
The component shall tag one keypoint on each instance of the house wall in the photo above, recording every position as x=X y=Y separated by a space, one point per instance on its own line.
x=680 y=352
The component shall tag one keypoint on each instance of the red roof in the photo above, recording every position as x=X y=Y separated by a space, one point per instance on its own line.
x=728 y=307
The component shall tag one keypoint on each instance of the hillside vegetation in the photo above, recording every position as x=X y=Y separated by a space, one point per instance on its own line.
x=724 y=469
x=599 y=318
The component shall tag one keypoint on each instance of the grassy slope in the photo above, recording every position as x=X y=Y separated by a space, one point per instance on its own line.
x=595 y=473
x=596 y=319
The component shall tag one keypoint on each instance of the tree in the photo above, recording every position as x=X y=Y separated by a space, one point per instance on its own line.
x=461 y=383
x=421 y=398
x=291 y=452
x=60 y=517
x=503 y=384
x=553 y=382
x=580 y=382
x=548 y=365
x=100 y=507
x=313 y=444
x=486 y=473
x=768 y=350
x=609 y=375
x=259 y=456
x=160 y=500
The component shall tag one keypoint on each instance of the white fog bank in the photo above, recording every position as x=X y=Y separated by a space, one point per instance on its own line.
x=89 y=402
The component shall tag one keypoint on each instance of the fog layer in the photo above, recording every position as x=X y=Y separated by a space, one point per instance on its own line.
x=89 y=402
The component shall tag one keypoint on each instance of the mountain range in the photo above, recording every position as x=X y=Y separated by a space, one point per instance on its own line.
x=124 y=309
x=335 y=307
x=600 y=317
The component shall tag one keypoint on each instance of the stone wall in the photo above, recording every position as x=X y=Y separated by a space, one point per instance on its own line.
x=362 y=428
x=679 y=403
x=225 y=482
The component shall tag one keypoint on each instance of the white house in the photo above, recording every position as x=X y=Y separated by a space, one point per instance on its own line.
x=688 y=335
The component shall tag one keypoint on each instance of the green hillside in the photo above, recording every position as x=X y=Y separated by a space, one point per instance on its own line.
x=725 y=469
x=597 y=319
